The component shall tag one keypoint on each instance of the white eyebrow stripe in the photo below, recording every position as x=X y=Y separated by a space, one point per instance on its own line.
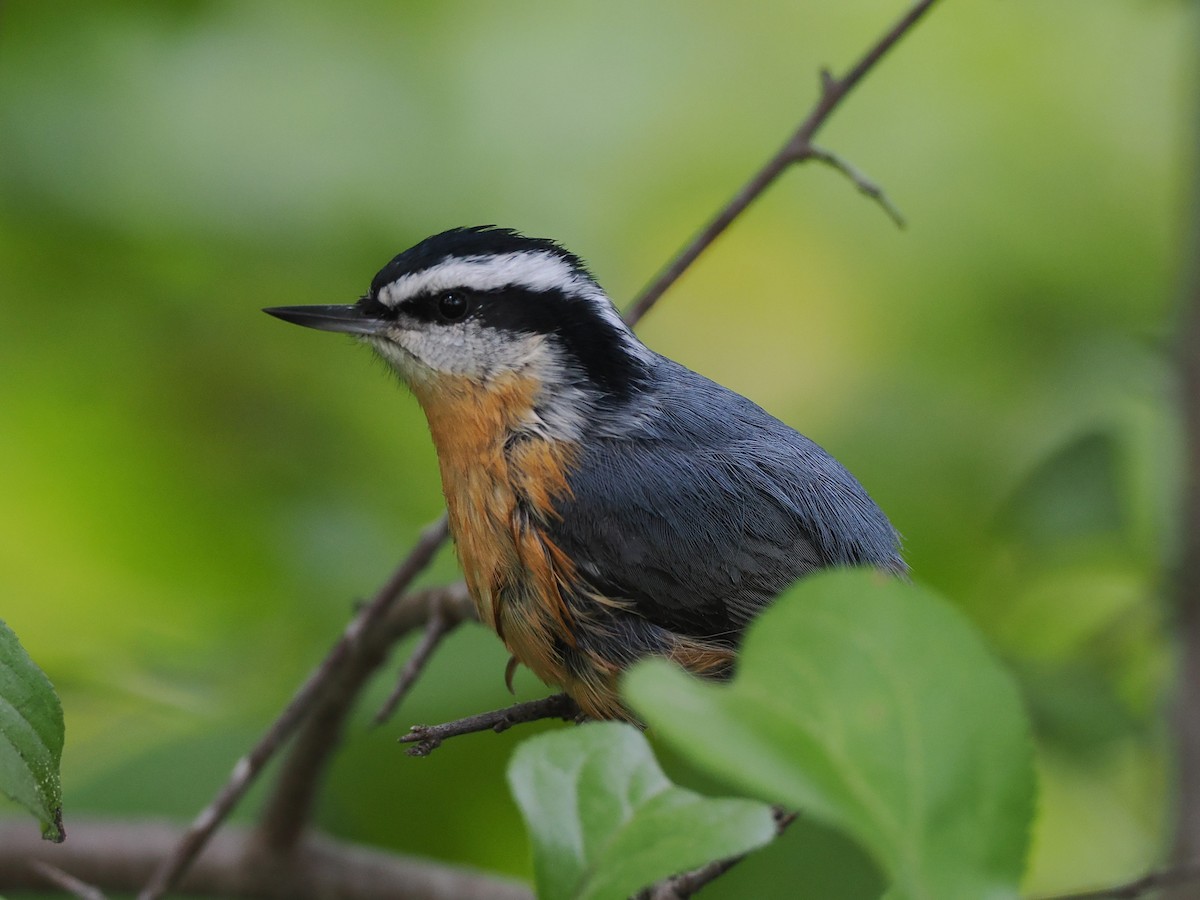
x=532 y=270
x=536 y=271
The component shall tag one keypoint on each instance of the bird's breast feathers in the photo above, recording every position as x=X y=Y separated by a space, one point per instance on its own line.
x=499 y=486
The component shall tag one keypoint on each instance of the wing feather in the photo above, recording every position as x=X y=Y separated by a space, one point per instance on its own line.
x=707 y=510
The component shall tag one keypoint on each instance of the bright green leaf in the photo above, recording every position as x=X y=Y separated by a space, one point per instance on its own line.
x=873 y=706
x=605 y=821
x=31 y=736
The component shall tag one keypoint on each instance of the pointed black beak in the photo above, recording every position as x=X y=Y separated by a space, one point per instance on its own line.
x=349 y=319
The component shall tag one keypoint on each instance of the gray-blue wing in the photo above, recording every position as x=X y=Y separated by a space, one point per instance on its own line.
x=708 y=510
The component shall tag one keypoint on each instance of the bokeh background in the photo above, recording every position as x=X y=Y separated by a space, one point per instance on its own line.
x=194 y=495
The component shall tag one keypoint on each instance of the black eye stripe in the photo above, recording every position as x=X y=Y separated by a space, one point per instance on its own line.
x=434 y=307
x=594 y=343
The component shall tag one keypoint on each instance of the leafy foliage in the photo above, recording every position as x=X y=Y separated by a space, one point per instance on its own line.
x=872 y=706
x=31 y=736
x=606 y=821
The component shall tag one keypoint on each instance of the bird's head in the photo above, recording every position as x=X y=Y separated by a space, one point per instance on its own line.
x=476 y=308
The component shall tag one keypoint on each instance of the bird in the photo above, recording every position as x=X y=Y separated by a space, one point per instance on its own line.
x=607 y=503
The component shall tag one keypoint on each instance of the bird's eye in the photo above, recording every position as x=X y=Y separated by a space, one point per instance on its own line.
x=452 y=306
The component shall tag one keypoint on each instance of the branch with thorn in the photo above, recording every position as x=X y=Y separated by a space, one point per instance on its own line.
x=797 y=149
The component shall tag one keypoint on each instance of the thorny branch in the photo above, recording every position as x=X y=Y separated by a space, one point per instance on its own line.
x=335 y=682
x=798 y=148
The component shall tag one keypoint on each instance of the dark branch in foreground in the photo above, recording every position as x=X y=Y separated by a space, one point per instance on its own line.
x=250 y=765
x=1186 y=577
x=437 y=626
x=1140 y=887
x=289 y=809
x=684 y=885
x=65 y=881
x=427 y=738
x=797 y=149
x=122 y=856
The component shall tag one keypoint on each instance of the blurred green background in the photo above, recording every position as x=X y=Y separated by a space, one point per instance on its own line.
x=195 y=495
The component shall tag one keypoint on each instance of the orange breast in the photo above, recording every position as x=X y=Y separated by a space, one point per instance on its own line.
x=494 y=494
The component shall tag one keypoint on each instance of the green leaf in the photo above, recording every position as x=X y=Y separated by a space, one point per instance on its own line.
x=31 y=736
x=605 y=821
x=873 y=706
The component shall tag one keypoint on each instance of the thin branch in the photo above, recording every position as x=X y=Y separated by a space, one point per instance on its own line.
x=250 y=765
x=289 y=809
x=427 y=738
x=861 y=181
x=798 y=148
x=680 y=887
x=437 y=626
x=1139 y=887
x=66 y=882
x=122 y=855
x=684 y=885
x=1186 y=577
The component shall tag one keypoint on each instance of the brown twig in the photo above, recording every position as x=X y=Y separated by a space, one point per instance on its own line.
x=437 y=626
x=798 y=148
x=122 y=855
x=861 y=181
x=66 y=882
x=427 y=738
x=1139 y=887
x=685 y=884
x=250 y=765
x=1186 y=580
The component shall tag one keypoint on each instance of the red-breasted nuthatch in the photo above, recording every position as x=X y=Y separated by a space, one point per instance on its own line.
x=606 y=502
